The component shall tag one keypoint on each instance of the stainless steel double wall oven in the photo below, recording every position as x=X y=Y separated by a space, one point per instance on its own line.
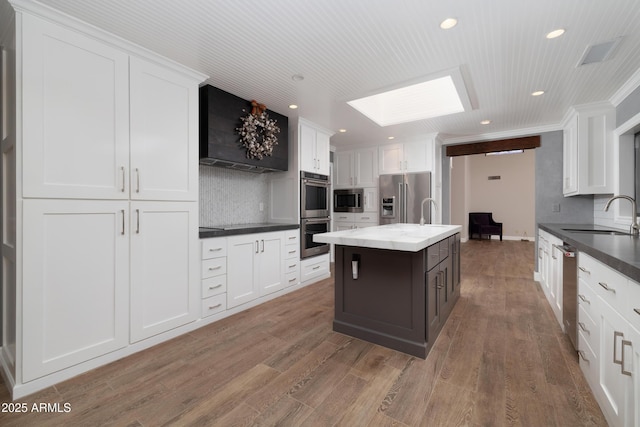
x=314 y=212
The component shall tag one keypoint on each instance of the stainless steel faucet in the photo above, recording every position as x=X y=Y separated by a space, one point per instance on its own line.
x=422 y=208
x=635 y=229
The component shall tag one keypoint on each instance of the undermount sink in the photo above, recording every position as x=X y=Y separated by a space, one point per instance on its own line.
x=591 y=231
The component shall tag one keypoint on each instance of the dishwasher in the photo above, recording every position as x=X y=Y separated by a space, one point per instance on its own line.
x=569 y=292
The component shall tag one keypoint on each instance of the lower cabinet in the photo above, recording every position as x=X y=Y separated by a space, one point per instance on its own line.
x=443 y=285
x=164 y=267
x=254 y=266
x=214 y=276
x=550 y=260
x=608 y=340
x=75 y=282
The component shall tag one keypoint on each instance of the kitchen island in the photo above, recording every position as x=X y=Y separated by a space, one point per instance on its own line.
x=395 y=284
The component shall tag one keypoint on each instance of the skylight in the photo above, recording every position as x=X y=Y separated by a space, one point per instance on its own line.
x=435 y=97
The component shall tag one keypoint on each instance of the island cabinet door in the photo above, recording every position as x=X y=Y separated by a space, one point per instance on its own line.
x=432 y=293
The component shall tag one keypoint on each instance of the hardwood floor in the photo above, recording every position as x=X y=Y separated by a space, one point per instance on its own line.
x=500 y=360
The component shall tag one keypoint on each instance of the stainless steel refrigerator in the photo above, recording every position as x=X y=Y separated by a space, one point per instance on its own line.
x=401 y=196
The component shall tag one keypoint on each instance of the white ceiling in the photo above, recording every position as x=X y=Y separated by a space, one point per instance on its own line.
x=349 y=48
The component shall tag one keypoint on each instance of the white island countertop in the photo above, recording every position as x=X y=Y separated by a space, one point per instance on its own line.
x=399 y=237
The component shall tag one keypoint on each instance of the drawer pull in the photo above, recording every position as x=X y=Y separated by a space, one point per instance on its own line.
x=584 y=328
x=637 y=310
x=215 y=249
x=215 y=268
x=624 y=372
x=583 y=298
x=292 y=237
x=316 y=267
x=616 y=334
x=292 y=252
x=584 y=270
x=293 y=265
x=604 y=285
x=293 y=280
x=581 y=353
x=365 y=217
x=211 y=307
x=214 y=287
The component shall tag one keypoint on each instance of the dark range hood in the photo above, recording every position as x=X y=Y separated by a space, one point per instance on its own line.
x=220 y=116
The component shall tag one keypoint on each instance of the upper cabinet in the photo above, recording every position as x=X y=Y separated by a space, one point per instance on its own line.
x=314 y=149
x=587 y=150
x=101 y=124
x=356 y=168
x=407 y=157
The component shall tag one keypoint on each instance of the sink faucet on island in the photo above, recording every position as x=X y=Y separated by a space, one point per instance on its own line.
x=634 y=230
x=395 y=284
x=435 y=205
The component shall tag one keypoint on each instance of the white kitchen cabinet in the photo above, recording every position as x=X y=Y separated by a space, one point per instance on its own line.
x=612 y=368
x=75 y=284
x=314 y=148
x=587 y=150
x=165 y=281
x=555 y=278
x=315 y=268
x=370 y=201
x=352 y=220
x=544 y=260
x=76 y=113
x=164 y=133
x=356 y=168
x=214 y=276
x=254 y=266
x=292 y=257
x=407 y=157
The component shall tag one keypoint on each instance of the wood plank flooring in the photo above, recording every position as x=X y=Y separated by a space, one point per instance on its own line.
x=501 y=360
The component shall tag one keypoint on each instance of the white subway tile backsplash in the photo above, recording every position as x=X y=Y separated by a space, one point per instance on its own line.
x=229 y=197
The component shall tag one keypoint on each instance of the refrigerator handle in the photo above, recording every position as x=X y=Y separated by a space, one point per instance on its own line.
x=405 y=205
x=400 y=202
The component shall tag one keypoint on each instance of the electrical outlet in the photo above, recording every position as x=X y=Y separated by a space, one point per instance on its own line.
x=261 y=207
x=556 y=207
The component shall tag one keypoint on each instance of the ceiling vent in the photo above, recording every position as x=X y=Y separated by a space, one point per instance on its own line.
x=598 y=52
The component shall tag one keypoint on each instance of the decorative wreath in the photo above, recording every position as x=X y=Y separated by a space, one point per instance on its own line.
x=258 y=133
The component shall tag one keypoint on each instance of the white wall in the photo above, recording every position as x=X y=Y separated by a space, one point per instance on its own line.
x=511 y=198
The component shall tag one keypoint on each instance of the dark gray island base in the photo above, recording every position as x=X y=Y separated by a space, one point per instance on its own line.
x=400 y=299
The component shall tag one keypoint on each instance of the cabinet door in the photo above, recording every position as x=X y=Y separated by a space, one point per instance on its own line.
x=370 y=202
x=555 y=278
x=365 y=164
x=271 y=263
x=433 y=283
x=595 y=133
x=391 y=159
x=164 y=134
x=634 y=412
x=570 y=157
x=614 y=387
x=323 y=148
x=343 y=169
x=340 y=226
x=308 y=159
x=165 y=268
x=75 y=277
x=242 y=256
x=75 y=99
x=416 y=157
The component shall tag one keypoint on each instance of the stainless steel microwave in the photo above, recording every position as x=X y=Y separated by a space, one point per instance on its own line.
x=350 y=200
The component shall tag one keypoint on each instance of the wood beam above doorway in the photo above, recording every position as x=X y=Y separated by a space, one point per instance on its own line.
x=493 y=146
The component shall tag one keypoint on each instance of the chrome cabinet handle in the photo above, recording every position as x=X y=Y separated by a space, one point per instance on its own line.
x=581 y=353
x=292 y=237
x=215 y=249
x=604 y=285
x=584 y=270
x=616 y=334
x=262 y=243
x=316 y=267
x=137 y=221
x=293 y=280
x=123 y=220
x=584 y=328
x=583 y=298
x=293 y=265
x=622 y=370
x=123 y=178
x=637 y=310
x=215 y=287
x=257 y=247
x=215 y=268
x=211 y=307
x=292 y=252
x=137 y=180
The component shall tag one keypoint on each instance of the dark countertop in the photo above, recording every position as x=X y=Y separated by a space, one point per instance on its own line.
x=233 y=230
x=620 y=252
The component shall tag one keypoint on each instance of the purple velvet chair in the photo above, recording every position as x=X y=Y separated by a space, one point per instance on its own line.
x=482 y=223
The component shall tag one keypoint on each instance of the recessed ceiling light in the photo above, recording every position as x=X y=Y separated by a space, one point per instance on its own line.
x=297 y=77
x=293 y=106
x=448 y=23
x=485 y=122
x=391 y=137
x=555 y=33
x=537 y=93
x=342 y=130
x=440 y=95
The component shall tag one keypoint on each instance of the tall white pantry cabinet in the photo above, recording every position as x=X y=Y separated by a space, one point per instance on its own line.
x=100 y=247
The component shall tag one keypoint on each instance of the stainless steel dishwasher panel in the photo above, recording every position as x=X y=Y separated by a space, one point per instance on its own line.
x=569 y=292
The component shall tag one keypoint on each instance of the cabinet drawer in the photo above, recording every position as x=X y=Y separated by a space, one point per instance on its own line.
x=214 y=267
x=214 y=286
x=291 y=265
x=214 y=248
x=610 y=285
x=292 y=278
x=588 y=327
x=292 y=237
x=433 y=256
x=214 y=304
x=632 y=310
x=587 y=298
x=366 y=217
x=588 y=361
x=312 y=270
x=291 y=252
x=444 y=249
x=344 y=216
